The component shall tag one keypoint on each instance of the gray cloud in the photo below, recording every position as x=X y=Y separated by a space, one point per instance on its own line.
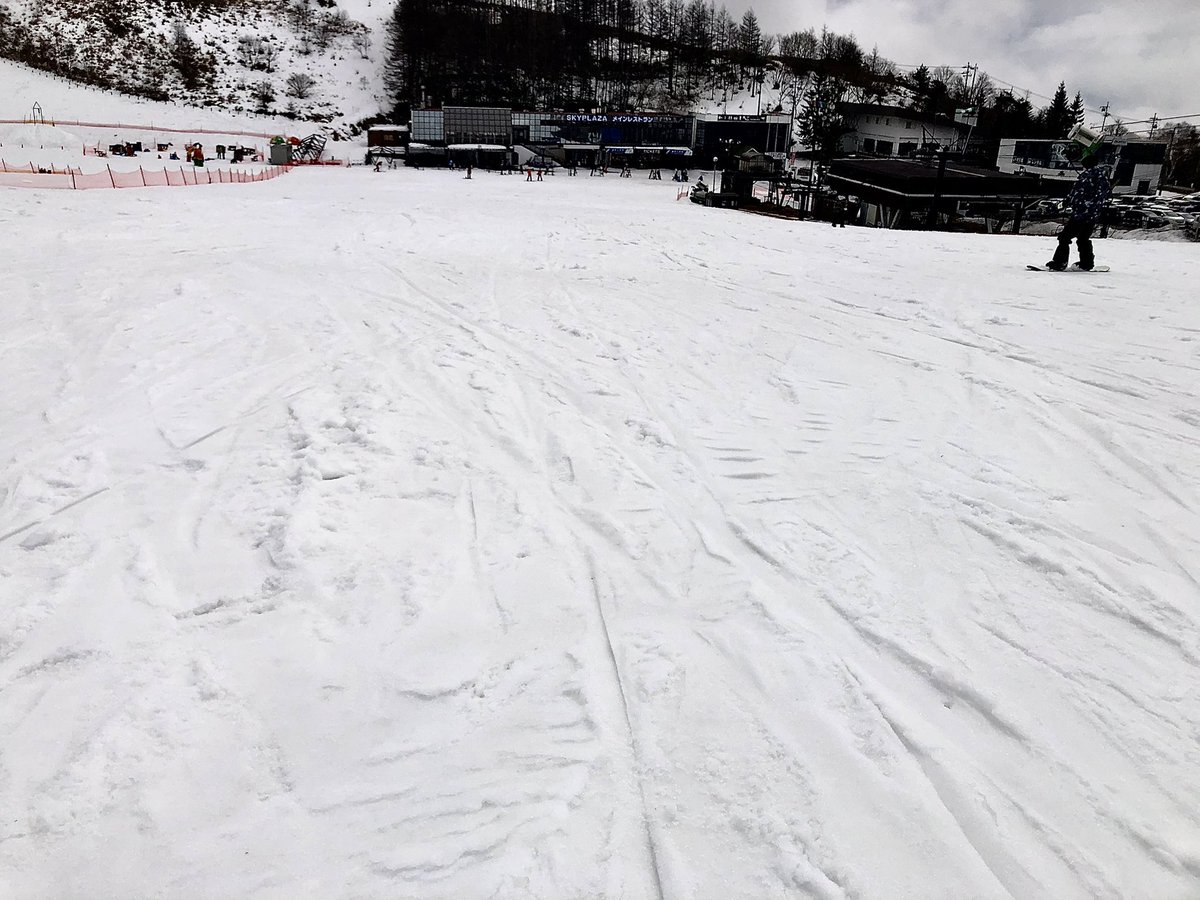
x=1141 y=57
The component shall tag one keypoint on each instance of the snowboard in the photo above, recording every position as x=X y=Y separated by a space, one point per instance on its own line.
x=1068 y=269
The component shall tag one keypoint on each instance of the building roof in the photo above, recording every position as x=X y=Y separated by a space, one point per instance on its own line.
x=910 y=180
x=899 y=112
x=388 y=128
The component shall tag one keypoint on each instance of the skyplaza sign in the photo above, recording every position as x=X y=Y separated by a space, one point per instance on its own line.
x=613 y=119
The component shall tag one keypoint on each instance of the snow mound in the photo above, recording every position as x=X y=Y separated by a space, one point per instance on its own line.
x=40 y=136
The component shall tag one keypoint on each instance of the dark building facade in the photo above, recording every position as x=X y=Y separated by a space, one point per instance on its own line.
x=726 y=137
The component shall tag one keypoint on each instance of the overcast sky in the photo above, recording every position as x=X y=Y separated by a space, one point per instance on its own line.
x=1140 y=57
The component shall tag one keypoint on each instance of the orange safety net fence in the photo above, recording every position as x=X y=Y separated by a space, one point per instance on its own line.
x=73 y=179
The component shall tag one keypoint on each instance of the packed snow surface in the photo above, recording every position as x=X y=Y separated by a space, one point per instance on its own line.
x=403 y=535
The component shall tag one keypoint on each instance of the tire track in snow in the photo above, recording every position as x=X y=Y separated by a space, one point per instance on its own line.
x=465 y=423
x=736 y=529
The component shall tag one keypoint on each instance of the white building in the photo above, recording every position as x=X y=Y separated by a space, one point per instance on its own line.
x=1136 y=163
x=893 y=131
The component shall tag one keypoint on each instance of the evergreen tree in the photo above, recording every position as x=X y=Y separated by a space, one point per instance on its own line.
x=1057 y=116
x=920 y=82
x=750 y=35
x=1076 y=115
x=395 y=74
x=822 y=123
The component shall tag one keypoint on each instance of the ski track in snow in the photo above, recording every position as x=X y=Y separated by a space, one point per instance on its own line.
x=502 y=541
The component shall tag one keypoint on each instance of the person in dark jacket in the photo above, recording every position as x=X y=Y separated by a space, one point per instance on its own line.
x=1087 y=201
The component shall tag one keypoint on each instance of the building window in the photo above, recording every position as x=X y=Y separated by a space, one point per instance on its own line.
x=883 y=148
x=889 y=122
x=908 y=125
x=869 y=145
x=908 y=149
x=478 y=125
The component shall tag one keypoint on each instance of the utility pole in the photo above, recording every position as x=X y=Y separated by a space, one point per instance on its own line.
x=931 y=219
x=970 y=72
x=970 y=80
x=1104 y=121
x=1153 y=124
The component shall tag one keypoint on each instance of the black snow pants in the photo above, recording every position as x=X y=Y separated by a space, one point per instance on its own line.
x=1081 y=232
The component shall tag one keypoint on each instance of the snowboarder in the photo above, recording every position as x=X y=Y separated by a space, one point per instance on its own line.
x=1087 y=200
x=838 y=212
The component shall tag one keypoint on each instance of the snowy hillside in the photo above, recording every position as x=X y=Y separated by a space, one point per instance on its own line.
x=231 y=50
x=401 y=535
x=62 y=100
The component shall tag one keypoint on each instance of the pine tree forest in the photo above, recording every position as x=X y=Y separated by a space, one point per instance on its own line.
x=611 y=54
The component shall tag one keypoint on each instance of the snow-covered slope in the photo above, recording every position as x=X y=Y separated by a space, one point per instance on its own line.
x=61 y=100
x=338 y=44
x=399 y=535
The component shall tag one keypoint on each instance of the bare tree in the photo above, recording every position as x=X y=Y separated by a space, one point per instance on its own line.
x=329 y=27
x=248 y=50
x=299 y=85
x=269 y=55
x=191 y=63
x=362 y=43
x=264 y=96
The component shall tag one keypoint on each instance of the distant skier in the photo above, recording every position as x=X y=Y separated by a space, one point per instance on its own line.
x=1087 y=200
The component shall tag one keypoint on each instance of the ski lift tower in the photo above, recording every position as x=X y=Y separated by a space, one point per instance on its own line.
x=36 y=117
x=970 y=118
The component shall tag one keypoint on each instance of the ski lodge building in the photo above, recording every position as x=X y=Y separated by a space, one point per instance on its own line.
x=491 y=137
x=893 y=131
x=1136 y=163
x=386 y=142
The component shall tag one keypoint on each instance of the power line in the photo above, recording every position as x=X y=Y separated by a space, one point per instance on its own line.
x=1158 y=119
x=1102 y=111
x=1008 y=84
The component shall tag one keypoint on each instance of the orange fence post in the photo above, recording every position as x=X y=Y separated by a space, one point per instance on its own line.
x=110 y=176
x=143 y=174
